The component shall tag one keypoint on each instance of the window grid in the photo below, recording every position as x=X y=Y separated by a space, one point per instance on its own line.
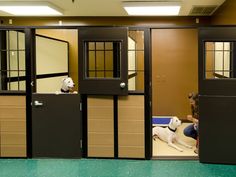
x=223 y=72
x=12 y=79
x=102 y=71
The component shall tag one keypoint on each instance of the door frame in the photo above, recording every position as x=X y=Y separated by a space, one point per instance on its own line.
x=147 y=102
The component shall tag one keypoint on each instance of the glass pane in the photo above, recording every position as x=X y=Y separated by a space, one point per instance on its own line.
x=210 y=46
x=12 y=60
x=131 y=60
x=108 y=45
x=131 y=81
x=100 y=60
x=210 y=61
x=99 y=45
x=22 y=85
x=91 y=60
x=109 y=74
x=100 y=74
x=104 y=61
x=21 y=42
x=136 y=81
x=13 y=86
x=140 y=81
x=219 y=74
x=138 y=38
x=226 y=46
x=218 y=60
x=227 y=61
x=109 y=60
x=210 y=75
x=227 y=74
x=140 y=60
x=11 y=74
x=91 y=45
x=22 y=60
x=12 y=39
x=91 y=74
x=22 y=73
x=218 y=45
x=131 y=44
x=17 y=86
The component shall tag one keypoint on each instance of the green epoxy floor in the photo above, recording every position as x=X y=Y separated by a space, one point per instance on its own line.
x=111 y=168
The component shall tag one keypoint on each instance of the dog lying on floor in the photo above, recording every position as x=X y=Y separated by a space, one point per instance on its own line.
x=168 y=134
x=67 y=86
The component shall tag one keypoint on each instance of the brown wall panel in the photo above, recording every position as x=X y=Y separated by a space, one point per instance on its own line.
x=100 y=126
x=13 y=126
x=13 y=138
x=13 y=150
x=131 y=126
x=174 y=70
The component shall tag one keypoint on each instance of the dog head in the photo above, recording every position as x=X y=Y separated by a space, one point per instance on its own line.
x=174 y=122
x=67 y=85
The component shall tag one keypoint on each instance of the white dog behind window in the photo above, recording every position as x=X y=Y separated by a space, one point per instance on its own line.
x=168 y=134
x=67 y=86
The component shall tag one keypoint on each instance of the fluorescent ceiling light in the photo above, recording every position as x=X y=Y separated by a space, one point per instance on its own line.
x=152 y=8
x=30 y=8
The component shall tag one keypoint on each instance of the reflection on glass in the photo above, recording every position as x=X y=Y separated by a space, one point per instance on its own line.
x=218 y=60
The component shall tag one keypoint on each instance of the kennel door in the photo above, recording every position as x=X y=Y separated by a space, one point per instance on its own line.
x=103 y=64
x=56 y=126
x=217 y=90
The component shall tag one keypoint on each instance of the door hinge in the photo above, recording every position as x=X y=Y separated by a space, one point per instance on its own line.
x=81 y=144
x=80 y=106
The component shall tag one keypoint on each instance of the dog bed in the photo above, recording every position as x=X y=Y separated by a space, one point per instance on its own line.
x=161 y=120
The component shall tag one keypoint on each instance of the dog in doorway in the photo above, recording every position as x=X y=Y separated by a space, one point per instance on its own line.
x=67 y=86
x=168 y=134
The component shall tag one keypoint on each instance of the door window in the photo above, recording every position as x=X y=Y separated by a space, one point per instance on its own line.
x=218 y=60
x=102 y=59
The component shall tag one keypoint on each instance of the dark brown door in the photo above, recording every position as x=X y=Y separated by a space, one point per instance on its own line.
x=56 y=125
x=103 y=61
x=217 y=88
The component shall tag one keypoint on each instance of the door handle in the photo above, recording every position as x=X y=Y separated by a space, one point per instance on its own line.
x=122 y=85
x=37 y=103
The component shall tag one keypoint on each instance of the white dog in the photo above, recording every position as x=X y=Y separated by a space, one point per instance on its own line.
x=168 y=134
x=67 y=86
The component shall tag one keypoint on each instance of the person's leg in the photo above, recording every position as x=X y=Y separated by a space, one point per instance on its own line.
x=190 y=131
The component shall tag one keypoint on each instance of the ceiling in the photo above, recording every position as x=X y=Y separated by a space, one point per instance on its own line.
x=114 y=7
